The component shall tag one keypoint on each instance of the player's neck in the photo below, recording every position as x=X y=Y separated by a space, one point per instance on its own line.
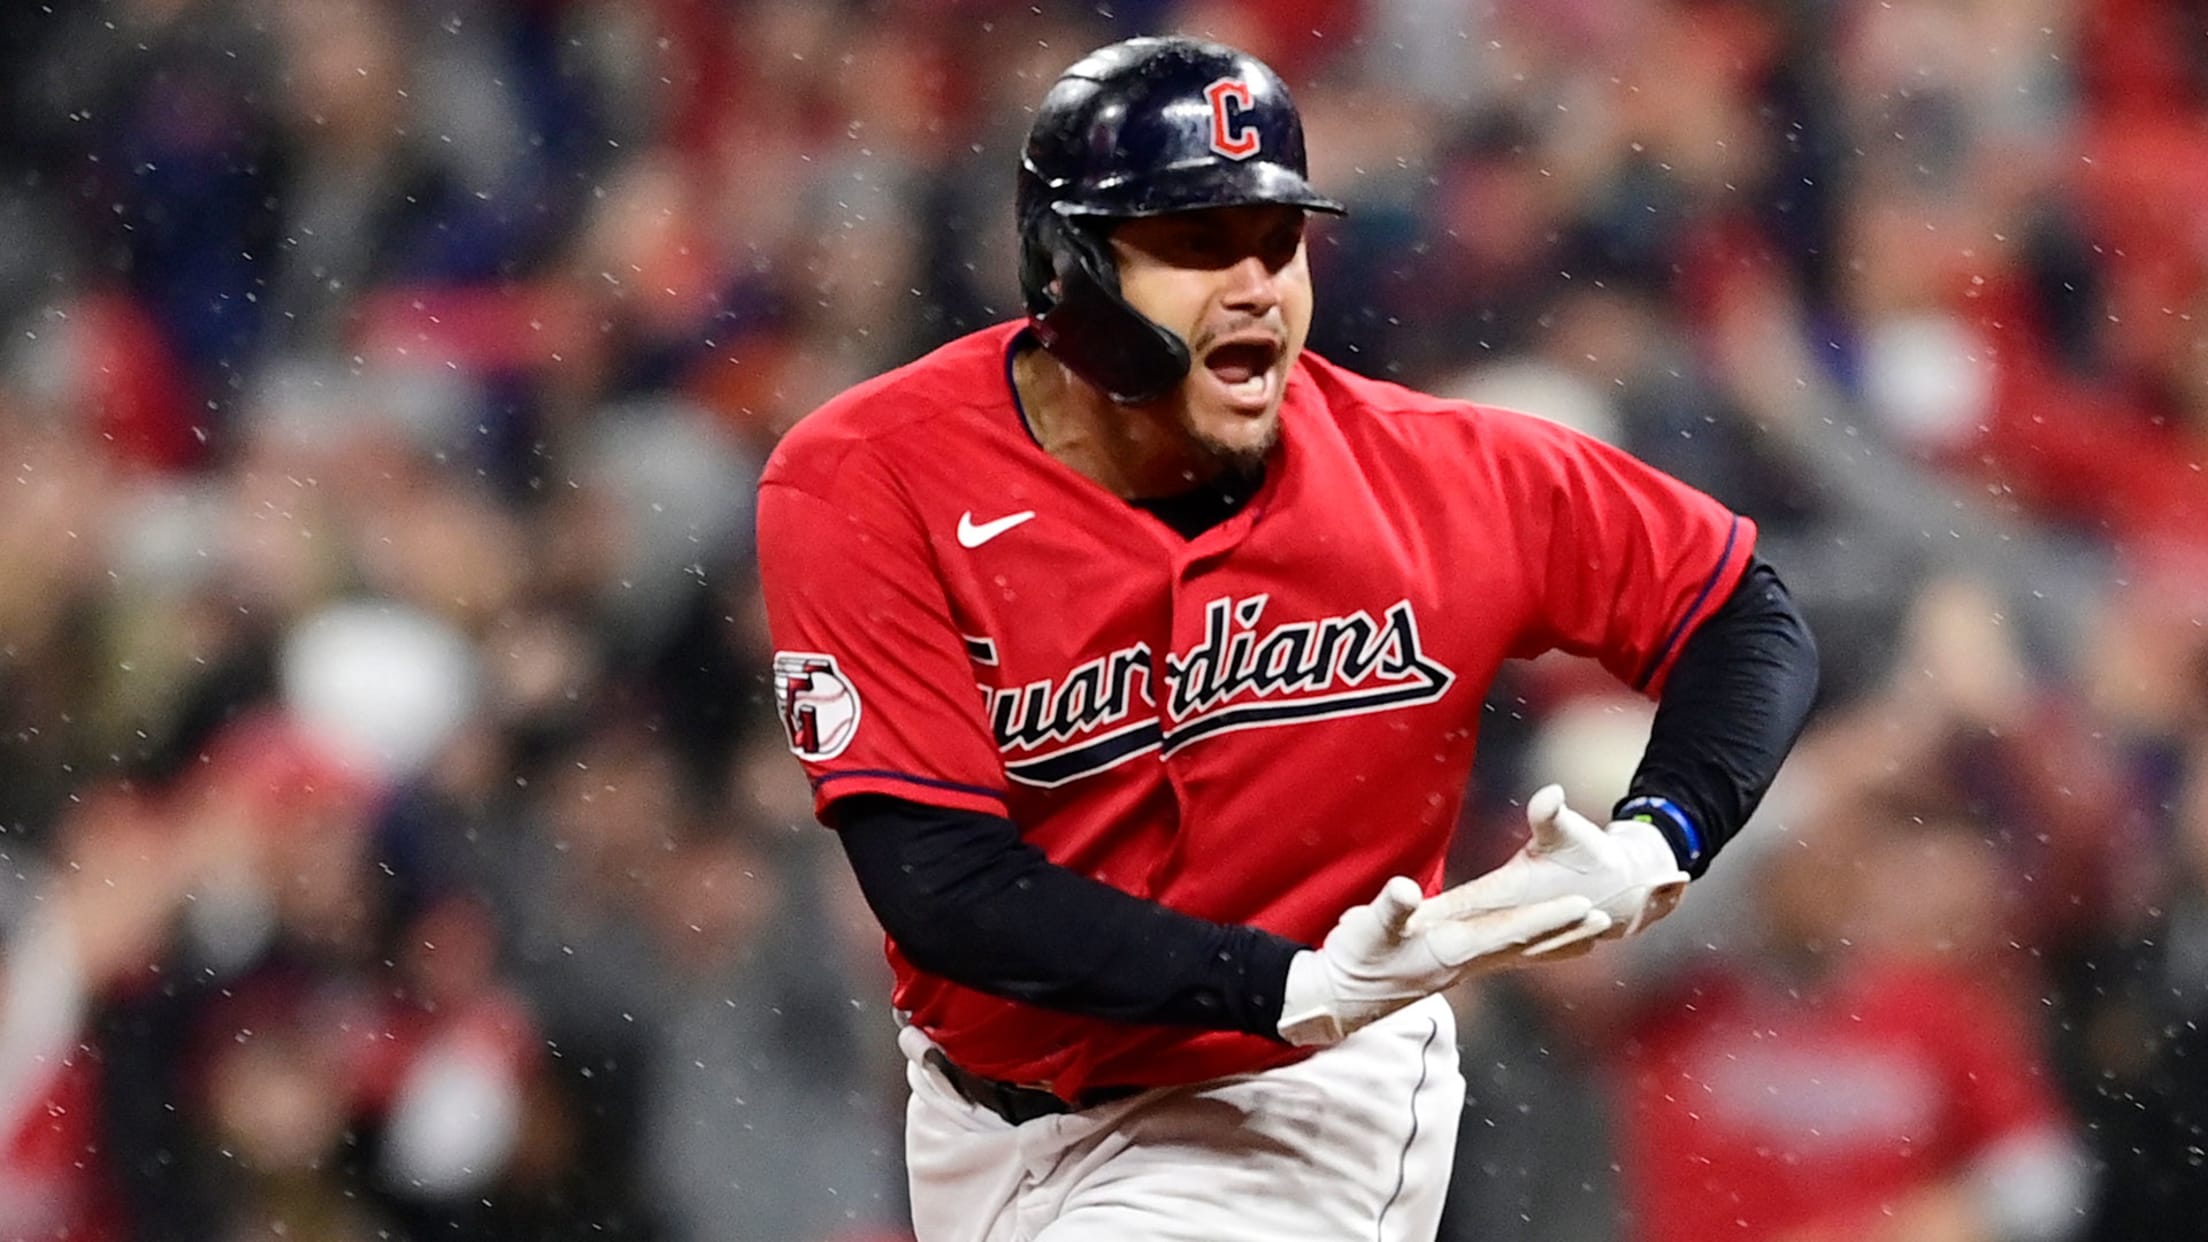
x=1133 y=452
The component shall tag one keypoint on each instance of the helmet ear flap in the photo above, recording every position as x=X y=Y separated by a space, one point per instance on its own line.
x=1038 y=251
x=1087 y=324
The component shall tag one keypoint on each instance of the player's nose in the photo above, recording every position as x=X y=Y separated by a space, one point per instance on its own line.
x=1251 y=286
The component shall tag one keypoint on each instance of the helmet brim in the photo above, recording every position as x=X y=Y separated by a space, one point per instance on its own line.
x=1195 y=187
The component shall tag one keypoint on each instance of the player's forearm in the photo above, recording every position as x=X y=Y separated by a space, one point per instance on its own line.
x=965 y=898
x=1734 y=705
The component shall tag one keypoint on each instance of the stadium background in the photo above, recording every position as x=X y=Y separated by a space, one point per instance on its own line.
x=397 y=842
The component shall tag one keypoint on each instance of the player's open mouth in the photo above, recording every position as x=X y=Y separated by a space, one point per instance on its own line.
x=1245 y=369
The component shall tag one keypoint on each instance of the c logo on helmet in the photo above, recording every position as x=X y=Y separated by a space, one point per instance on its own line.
x=819 y=706
x=1232 y=134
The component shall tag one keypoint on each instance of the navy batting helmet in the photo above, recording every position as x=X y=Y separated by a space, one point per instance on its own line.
x=1143 y=128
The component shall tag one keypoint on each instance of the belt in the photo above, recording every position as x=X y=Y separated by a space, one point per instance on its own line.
x=1016 y=1104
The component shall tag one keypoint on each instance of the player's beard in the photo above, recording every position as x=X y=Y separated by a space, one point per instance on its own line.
x=1238 y=462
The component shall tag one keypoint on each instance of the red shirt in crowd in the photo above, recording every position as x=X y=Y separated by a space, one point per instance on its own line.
x=1752 y=1110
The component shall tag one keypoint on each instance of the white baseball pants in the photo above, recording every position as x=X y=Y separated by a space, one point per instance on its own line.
x=1353 y=1142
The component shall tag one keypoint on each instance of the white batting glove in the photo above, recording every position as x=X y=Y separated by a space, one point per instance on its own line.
x=1373 y=963
x=1626 y=871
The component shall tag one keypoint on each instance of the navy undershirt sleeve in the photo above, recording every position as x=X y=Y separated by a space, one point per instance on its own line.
x=1737 y=698
x=966 y=898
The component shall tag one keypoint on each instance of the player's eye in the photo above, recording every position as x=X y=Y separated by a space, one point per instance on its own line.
x=1211 y=242
x=1201 y=246
x=1279 y=248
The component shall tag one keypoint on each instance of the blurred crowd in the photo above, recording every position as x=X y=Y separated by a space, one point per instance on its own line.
x=397 y=840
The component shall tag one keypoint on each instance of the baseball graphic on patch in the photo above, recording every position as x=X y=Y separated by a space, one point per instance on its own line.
x=818 y=704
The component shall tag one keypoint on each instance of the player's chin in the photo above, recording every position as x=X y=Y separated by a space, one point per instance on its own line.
x=1241 y=441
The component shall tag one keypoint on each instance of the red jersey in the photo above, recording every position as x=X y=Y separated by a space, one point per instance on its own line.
x=1751 y=1112
x=1259 y=725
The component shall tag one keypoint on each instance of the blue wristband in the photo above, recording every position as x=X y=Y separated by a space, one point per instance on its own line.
x=1666 y=817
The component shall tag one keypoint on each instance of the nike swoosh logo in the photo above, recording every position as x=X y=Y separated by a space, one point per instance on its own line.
x=972 y=534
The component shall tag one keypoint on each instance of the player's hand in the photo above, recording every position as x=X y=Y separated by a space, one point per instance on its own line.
x=1374 y=963
x=1627 y=872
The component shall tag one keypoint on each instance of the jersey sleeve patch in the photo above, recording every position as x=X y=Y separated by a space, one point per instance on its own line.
x=819 y=706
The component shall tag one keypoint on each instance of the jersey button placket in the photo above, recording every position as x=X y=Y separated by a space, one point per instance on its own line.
x=1195 y=584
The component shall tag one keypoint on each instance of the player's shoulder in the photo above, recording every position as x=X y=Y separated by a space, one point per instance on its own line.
x=915 y=409
x=1362 y=404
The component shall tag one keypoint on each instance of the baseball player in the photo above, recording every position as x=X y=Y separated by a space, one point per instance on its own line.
x=1136 y=656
